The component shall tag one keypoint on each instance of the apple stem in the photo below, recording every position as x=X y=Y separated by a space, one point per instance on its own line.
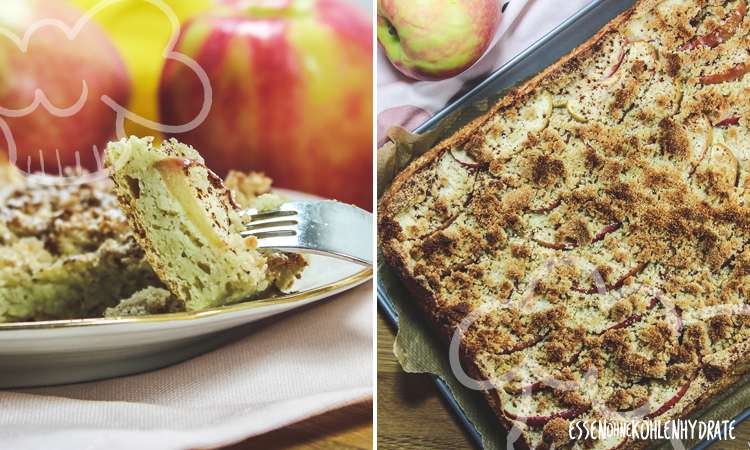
x=392 y=30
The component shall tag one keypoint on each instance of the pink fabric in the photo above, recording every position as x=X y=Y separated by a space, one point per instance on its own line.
x=407 y=116
x=314 y=360
x=406 y=102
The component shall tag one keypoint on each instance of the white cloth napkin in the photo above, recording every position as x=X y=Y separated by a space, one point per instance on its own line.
x=316 y=359
x=406 y=102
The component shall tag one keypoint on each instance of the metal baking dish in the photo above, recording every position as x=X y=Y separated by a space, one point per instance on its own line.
x=543 y=53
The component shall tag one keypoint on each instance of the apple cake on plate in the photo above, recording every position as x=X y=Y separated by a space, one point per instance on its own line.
x=586 y=240
x=67 y=249
x=188 y=223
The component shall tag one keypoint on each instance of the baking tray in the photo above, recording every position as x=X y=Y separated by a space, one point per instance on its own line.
x=546 y=51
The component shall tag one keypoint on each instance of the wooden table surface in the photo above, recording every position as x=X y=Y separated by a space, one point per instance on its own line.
x=346 y=428
x=412 y=415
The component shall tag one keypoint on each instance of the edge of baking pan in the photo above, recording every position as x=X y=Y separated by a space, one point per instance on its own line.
x=389 y=311
x=529 y=62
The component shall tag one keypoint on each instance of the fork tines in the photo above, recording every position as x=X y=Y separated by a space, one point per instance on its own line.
x=271 y=224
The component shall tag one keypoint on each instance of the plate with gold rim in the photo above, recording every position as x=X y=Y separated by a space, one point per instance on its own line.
x=78 y=350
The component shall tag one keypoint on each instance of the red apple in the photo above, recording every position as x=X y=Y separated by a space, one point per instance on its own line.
x=68 y=73
x=292 y=93
x=436 y=39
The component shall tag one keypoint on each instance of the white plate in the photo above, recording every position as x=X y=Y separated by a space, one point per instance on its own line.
x=71 y=351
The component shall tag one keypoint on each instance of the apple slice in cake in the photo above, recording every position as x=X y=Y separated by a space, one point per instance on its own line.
x=186 y=220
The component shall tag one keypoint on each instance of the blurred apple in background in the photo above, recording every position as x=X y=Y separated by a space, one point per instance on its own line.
x=57 y=67
x=292 y=93
x=141 y=30
x=436 y=39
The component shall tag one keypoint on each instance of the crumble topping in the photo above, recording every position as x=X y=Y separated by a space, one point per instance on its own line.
x=66 y=251
x=604 y=225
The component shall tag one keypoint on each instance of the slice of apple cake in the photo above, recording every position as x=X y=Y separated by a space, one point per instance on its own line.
x=187 y=222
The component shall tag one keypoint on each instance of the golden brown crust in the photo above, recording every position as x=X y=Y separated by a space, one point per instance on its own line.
x=247 y=186
x=69 y=219
x=647 y=177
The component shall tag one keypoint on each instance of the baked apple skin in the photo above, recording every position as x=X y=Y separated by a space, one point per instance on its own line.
x=70 y=73
x=292 y=93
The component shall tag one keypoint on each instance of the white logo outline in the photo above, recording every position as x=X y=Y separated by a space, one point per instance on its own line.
x=121 y=112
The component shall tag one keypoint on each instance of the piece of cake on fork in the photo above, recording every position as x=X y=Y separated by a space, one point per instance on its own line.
x=188 y=224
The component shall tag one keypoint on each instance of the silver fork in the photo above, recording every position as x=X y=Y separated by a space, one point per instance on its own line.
x=324 y=227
